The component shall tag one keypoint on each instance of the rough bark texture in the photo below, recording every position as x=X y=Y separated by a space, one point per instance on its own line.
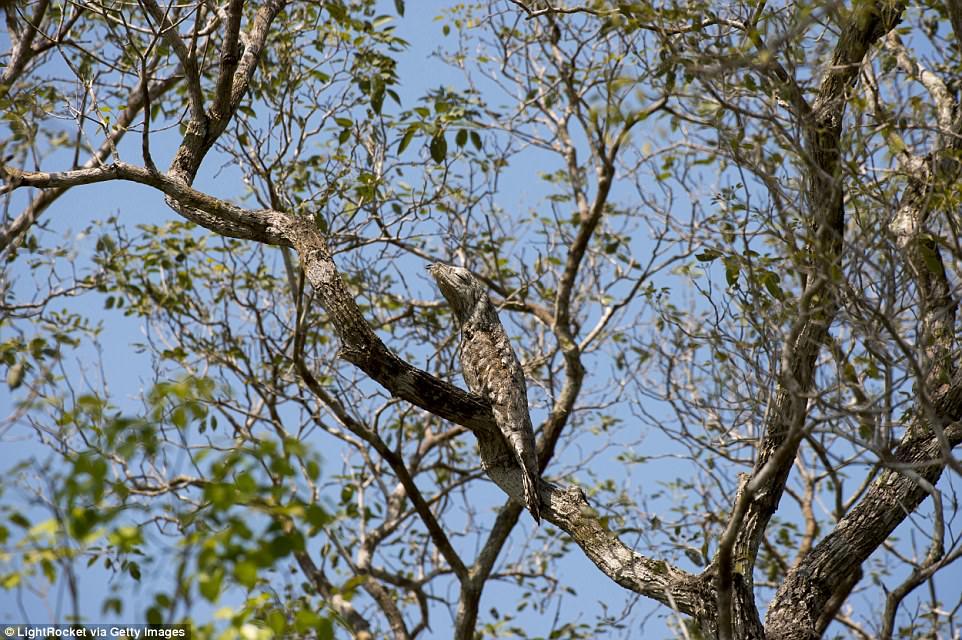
x=818 y=305
x=491 y=369
x=722 y=598
x=566 y=508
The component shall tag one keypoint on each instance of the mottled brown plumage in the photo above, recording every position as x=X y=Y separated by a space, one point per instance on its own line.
x=491 y=369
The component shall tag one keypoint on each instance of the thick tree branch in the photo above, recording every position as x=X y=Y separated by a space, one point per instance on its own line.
x=809 y=587
x=466 y=618
x=23 y=46
x=839 y=595
x=213 y=213
x=934 y=430
x=229 y=58
x=388 y=601
x=22 y=50
x=787 y=410
x=566 y=508
x=954 y=8
x=14 y=229
x=235 y=77
x=920 y=249
x=187 y=57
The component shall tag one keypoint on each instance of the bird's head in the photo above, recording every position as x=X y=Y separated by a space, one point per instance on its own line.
x=461 y=289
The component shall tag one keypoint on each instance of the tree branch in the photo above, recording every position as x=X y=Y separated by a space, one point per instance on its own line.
x=437 y=534
x=187 y=57
x=808 y=588
x=354 y=621
x=23 y=47
x=222 y=108
x=14 y=229
x=213 y=213
x=202 y=134
x=784 y=426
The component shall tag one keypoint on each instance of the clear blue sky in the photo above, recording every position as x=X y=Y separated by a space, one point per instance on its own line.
x=129 y=376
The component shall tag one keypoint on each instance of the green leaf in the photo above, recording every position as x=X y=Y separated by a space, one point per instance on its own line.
x=439 y=147
x=245 y=483
x=462 y=138
x=476 y=140
x=49 y=570
x=126 y=538
x=304 y=620
x=732 y=269
x=707 y=255
x=222 y=496
x=10 y=581
x=246 y=573
x=82 y=521
x=283 y=545
x=15 y=375
x=771 y=282
x=114 y=605
x=399 y=7
x=179 y=417
x=695 y=557
x=406 y=138
x=277 y=622
x=155 y=616
x=209 y=584
x=316 y=516
x=350 y=587
x=377 y=94
x=931 y=257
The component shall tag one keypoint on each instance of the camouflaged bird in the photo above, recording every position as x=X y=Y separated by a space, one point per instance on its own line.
x=491 y=369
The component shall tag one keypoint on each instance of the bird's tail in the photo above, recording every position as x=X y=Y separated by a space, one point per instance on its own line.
x=531 y=499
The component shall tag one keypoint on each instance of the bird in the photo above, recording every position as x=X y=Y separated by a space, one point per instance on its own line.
x=491 y=369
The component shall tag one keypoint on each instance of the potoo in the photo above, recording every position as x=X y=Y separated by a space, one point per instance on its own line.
x=491 y=368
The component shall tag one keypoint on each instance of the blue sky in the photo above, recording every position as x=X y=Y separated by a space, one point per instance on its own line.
x=130 y=376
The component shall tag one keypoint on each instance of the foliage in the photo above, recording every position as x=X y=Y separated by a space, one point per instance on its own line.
x=724 y=239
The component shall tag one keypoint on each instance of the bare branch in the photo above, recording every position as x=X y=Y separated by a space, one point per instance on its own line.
x=213 y=213
x=14 y=229
x=223 y=105
x=187 y=57
x=941 y=96
x=23 y=46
